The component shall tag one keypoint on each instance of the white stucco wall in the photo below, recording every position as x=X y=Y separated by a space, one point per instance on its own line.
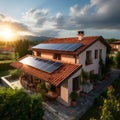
x=118 y=47
x=95 y=65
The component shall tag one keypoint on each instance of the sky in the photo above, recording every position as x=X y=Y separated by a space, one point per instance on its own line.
x=61 y=18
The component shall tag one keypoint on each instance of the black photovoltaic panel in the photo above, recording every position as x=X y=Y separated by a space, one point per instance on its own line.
x=62 y=47
x=44 y=65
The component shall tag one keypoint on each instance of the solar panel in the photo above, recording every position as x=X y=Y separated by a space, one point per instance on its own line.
x=62 y=47
x=44 y=65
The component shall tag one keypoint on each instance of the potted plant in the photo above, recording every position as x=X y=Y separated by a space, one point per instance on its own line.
x=73 y=97
x=94 y=78
x=84 y=78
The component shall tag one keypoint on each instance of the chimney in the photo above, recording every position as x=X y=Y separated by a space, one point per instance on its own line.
x=80 y=35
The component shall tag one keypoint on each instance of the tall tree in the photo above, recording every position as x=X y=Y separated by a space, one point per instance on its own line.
x=117 y=60
x=21 y=47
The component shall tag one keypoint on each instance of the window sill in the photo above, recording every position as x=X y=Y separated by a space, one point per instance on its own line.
x=88 y=64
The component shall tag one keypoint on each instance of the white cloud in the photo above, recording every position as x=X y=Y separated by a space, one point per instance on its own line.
x=97 y=14
x=36 y=16
x=15 y=25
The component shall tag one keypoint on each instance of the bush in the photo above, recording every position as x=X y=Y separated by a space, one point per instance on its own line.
x=15 y=73
x=18 y=105
x=5 y=57
x=5 y=65
x=117 y=60
x=104 y=94
x=73 y=96
x=98 y=101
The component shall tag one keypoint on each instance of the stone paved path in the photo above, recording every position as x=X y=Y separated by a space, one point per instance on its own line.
x=56 y=111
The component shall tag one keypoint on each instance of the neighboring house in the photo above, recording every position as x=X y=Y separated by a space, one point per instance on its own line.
x=6 y=50
x=59 y=62
x=115 y=46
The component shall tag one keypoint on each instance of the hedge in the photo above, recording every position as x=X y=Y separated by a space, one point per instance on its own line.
x=5 y=65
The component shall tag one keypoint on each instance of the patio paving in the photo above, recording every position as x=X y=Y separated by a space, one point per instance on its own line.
x=56 y=111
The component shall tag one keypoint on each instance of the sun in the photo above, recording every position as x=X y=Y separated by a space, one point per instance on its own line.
x=7 y=34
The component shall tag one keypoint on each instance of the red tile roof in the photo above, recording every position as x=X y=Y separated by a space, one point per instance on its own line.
x=87 y=41
x=116 y=42
x=55 y=78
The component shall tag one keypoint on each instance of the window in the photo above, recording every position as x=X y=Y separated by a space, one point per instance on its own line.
x=89 y=57
x=57 y=56
x=100 y=53
x=96 y=54
x=37 y=53
x=76 y=83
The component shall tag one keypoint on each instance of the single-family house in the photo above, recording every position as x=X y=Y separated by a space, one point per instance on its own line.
x=115 y=46
x=59 y=61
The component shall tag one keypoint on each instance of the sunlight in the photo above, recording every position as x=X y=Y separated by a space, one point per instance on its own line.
x=7 y=34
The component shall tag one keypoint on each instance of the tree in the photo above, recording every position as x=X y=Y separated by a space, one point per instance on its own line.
x=109 y=62
x=21 y=48
x=110 y=110
x=84 y=77
x=111 y=106
x=117 y=60
x=18 y=105
x=111 y=40
x=102 y=69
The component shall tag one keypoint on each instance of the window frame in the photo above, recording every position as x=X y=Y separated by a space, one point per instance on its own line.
x=96 y=54
x=88 y=57
x=57 y=56
x=76 y=83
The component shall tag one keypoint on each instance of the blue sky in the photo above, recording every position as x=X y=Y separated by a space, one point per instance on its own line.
x=61 y=18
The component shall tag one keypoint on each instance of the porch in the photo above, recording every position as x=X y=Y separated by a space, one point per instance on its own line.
x=36 y=85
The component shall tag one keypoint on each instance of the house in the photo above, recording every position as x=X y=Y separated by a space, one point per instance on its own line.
x=115 y=46
x=59 y=61
x=6 y=50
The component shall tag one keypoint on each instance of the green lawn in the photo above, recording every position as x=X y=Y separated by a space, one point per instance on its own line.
x=6 y=61
x=5 y=56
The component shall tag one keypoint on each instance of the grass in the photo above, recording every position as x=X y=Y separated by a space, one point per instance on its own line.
x=6 y=61
x=7 y=56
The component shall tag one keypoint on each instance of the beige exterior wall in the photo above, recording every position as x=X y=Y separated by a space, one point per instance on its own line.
x=95 y=65
x=67 y=88
x=47 y=55
x=35 y=53
x=65 y=58
x=118 y=47
x=68 y=58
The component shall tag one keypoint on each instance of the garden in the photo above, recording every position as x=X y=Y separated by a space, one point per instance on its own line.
x=107 y=105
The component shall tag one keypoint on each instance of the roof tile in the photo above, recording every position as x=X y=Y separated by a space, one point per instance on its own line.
x=54 y=78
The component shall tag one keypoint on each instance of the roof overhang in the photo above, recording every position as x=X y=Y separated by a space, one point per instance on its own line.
x=55 y=78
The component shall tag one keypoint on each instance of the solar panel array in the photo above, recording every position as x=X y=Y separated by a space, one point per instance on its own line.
x=44 y=65
x=62 y=47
